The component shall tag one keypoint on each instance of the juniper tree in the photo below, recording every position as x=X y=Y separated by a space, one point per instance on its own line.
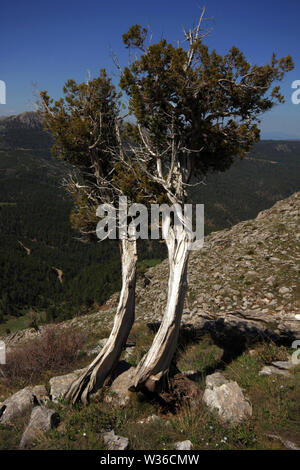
x=86 y=127
x=195 y=111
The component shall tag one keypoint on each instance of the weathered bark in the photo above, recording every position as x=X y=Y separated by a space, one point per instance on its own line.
x=153 y=369
x=102 y=366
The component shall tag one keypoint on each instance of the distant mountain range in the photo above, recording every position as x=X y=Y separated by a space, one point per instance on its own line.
x=279 y=136
x=32 y=120
x=24 y=131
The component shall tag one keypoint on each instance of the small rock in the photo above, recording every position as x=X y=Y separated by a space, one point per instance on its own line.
x=40 y=395
x=216 y=287
x=183 y=445
x=228 y=398
x=118 y=393
x=215 y=380
x=270 y=280
x=271 y=370
x=129 y=352
x=274 y=259
x=286 y=365
x=269 y=295
x=16 y=405
x=284 y=290
x=150 y=419
x=41 y=420
x=114 y=442
x=100 y=345
x=251 y=274
x=288 y=444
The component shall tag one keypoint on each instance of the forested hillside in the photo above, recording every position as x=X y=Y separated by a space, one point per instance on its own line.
x=269 y=173
x=37 y=239
x=43 y=266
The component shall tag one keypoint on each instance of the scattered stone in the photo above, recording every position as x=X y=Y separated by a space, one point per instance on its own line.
x=150 y=419
x=183 y=445
x=284 y=290
x=129 y=351
x=216 y=287
x=61 y=384
x=288 y=444
x=271 y=370
x=100 y=345
x=251 y=274
x=286 y=365
x=215 y=380
x=252 y=352
x=270 y=296
x=118 y=393
x=19 y=402
x=41 y=420
x=40 y=395
x=114 y=442
x=227 y=397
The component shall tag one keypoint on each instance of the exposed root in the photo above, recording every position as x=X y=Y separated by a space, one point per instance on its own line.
x=172 y=390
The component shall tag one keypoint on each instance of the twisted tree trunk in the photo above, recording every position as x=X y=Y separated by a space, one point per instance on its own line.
x=102 y=366
x=154 y=367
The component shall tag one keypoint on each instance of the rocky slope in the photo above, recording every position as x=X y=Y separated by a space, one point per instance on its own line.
x=245 y=278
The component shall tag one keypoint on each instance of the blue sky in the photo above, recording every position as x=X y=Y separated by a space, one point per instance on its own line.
x=47 y=42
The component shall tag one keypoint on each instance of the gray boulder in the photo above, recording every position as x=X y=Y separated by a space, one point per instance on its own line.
x=286 y=443
x=271 y=370
x=183 y=445
x=118 y=393
x=40 y=394
x=61 y=384
x=99 y=346
x=227 y=398
x=286 y=365
x=20 y=402
x=215 y=380
x=41 y=420
x=114 y=442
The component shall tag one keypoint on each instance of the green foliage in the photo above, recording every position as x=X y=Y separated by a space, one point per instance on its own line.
x=40 y=220
x=207 y=103
x=135 y=37
x=83 y=125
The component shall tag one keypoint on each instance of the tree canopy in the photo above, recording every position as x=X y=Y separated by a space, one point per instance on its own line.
x=195 y=107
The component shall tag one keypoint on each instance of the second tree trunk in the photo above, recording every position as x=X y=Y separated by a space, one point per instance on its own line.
x=100 y=369
x=155 y=365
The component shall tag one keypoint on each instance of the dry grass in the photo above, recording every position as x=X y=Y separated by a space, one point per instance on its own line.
x=56 y=349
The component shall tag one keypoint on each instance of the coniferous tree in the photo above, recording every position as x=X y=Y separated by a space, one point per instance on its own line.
x=86 y=126
x=195 y=111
